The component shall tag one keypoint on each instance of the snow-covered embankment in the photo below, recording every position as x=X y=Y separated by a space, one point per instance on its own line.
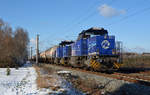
x=21 y=81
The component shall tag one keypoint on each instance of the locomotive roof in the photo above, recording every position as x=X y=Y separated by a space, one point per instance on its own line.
x=95 y=31
x=92 y=31
x=66 y=42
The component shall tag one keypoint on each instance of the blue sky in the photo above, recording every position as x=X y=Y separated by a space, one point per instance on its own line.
x=56 y=20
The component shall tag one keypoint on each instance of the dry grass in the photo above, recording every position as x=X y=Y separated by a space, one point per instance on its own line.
x=49 y=70
x=46 y=80
x=42 y=81
x=137 y=62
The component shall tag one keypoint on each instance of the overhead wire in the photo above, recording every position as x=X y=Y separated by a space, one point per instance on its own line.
x=80 y=16
x=94 y=13
x=128 y=16
x=84 y=16
x=87 y=17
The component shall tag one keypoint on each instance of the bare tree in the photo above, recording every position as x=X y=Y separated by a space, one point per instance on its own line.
x=21 y=42
x=13 y=45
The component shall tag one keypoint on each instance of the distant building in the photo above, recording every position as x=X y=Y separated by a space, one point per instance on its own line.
x=130 y=54
x=146 y=54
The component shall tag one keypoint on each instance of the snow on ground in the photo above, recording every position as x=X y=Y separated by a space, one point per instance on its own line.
x=21 y=81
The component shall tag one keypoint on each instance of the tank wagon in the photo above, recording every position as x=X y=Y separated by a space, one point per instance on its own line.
x=48 y=55
x=93 y=49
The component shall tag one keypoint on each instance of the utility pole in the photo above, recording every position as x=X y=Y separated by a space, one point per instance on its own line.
x=31 y=53
x=37 y=49
x=119 y=48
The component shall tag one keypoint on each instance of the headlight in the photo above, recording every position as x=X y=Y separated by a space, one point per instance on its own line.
x=113 y=51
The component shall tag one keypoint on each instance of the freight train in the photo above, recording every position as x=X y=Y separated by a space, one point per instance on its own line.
x=94 y=49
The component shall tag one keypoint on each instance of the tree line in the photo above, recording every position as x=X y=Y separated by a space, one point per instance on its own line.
x=13 y=45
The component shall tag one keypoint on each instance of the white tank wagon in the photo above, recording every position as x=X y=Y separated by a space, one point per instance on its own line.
x=48 y=55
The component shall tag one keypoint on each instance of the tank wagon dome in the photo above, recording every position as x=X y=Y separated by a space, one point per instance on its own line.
x=53 y=47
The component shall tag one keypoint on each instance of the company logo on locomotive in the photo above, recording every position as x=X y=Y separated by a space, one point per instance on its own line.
x=105 y=44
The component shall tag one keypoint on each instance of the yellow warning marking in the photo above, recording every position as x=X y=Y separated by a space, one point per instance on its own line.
x=63 y=62
x=117 y=65
x=97 y=65
x=94 y=64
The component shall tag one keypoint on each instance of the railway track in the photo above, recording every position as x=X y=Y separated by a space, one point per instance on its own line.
x=133 y=78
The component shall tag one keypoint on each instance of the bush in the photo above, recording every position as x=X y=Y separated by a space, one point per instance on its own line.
x=8 y=71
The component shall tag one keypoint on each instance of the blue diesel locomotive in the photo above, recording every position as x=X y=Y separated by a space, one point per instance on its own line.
x=93 y=49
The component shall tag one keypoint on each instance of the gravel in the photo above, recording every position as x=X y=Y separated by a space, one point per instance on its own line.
x=109 y=86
